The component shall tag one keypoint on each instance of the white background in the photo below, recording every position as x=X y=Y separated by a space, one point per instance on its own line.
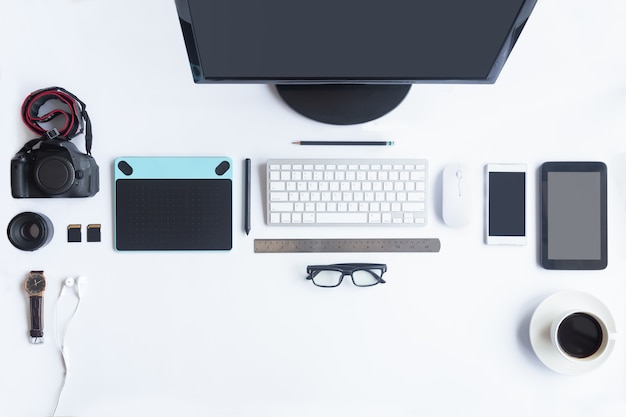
x=244 y=334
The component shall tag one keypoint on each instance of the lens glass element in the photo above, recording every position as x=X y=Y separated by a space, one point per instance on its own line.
x=30 y=231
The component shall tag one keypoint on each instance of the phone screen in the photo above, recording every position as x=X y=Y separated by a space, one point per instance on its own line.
x=506 y=211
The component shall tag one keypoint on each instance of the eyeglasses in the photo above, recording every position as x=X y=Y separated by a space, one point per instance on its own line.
x=363 y=275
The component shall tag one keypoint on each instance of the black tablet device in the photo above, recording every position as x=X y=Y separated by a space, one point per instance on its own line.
x=573 y=215
x=173 y=203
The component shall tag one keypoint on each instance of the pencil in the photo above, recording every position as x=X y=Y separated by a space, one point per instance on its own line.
x=344 y=143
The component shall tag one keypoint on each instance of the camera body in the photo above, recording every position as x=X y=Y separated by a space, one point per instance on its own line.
x=55 y=169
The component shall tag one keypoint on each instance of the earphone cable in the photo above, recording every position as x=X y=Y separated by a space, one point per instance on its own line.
x=60 y=343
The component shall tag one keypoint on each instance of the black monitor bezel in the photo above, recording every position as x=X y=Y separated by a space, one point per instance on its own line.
x=200 y=78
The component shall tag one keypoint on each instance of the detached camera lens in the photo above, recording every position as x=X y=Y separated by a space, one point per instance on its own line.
x=30 y=231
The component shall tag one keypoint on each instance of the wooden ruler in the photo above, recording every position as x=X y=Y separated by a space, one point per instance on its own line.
x=346 y=245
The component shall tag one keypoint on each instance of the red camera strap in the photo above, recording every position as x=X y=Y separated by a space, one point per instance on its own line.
x=76 y=119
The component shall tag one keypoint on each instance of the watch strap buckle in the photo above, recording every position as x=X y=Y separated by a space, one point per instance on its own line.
x=36 y=340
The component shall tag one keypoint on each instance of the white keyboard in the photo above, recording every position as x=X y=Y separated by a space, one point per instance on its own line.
x=376 y=192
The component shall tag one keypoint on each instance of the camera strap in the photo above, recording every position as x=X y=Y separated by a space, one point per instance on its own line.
x=76 y=119
x=30 y=145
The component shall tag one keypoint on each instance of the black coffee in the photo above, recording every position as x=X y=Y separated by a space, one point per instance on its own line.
x=579 y=335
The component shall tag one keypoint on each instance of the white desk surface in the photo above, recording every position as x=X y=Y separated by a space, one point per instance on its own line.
x=244 y=334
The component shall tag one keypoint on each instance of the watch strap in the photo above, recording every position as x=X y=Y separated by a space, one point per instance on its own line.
x=36 y=319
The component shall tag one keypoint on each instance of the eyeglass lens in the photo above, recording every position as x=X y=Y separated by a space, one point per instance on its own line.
x=361 y=278
x=365 y=278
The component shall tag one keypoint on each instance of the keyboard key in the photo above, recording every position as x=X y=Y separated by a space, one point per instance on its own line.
x=410 y=207
x=279 y=196
x=278 y=186
x=375 y=218
x=338 y=218
x=281 y=207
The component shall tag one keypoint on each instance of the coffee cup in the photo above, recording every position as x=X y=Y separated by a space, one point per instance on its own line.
x=581 y=336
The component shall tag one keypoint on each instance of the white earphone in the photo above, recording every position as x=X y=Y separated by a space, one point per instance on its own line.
x=75 y=283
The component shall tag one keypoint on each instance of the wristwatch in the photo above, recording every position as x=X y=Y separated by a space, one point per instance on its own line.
x=35 y=285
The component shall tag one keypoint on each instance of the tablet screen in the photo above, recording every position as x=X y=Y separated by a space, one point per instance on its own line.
x=574 y=215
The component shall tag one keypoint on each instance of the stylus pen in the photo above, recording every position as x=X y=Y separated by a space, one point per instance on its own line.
x=246 y=206
x=344 y=143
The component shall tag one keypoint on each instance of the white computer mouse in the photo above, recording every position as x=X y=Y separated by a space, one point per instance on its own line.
x=456 y=195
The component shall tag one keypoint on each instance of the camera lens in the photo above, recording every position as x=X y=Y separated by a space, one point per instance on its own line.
x=54 y=174
x=30 y=231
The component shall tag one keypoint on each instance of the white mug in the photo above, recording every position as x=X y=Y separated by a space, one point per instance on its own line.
x=581 y=335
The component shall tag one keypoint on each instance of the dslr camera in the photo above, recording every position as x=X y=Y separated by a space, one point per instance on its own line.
x=56 y=168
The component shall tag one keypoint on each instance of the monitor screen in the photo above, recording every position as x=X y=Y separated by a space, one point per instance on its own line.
x=350 y=41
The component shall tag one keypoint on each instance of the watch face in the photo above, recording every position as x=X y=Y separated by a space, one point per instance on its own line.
x=35 y=283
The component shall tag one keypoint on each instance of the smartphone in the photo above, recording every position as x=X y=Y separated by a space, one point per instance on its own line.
x=573 y=215
x=506 y=204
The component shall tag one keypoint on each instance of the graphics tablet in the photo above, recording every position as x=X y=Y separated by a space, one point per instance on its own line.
x=171 y=203
x=573 y=215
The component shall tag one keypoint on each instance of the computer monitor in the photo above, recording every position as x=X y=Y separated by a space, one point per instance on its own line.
x=349 y=61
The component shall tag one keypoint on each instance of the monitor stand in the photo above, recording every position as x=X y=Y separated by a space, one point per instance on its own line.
x=343 y=104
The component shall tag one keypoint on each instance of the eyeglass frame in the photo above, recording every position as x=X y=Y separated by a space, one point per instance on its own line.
x=347 y=269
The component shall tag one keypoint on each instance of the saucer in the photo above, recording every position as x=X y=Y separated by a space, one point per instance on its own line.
x=549 y=310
